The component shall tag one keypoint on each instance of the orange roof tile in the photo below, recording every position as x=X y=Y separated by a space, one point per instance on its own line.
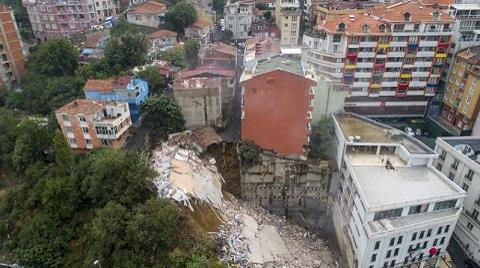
x=418 y=12
x=353 y=24
x=149 y=7
x=162 y=33
x=82 y=106
x=222 y=47
x=107 y=85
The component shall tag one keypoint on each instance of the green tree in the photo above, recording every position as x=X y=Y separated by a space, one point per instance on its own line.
x=64 y=159
x=322 y=143
x=126 y=181
x=122 y=27
x=163 y=115
x=218 y=5
x=56 y=57
x=8 y=125
x=97 y=69
x=156 y=82
x=192 y=47
x=182 y=15
x=175 y=56
x=126 y=51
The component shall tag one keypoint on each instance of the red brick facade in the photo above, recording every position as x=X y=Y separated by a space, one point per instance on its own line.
x=276 y=109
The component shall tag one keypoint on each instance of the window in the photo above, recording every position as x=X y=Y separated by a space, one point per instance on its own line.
x=337 y=38
x=451 y=175
x=73 y=141
x=377 y=245
x=414 y=236
x=469 y=226
x=469 y=175
x=439 y=166
x=455 y=164
x=435 y=242
x=69 y=129
x=374 y=257
x=389 y=253
x=447 y=228
x=418 y=209
x=465 y=187
x=396 y=252
x=392 y=263
x=385 y=265
x=399 y=240
x=445 y=204
x=439 y=230
x=429 y=232
x=425 y=245
x=104 y=142
x=422 y=233
x=392 y=213
x=392 y=241
x=65 y=117
x=82 y=118
x=420 y=257
x=85 y=130
x=442 y=240
x=88 y=141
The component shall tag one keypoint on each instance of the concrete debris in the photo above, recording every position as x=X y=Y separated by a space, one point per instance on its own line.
x=252 y=237
x=184 y=177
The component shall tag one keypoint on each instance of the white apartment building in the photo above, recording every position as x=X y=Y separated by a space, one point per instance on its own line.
x=105 y=8
x=393 y=208
x=460 y=160
x=390 y=60
x=287 y=17
x=239 y=17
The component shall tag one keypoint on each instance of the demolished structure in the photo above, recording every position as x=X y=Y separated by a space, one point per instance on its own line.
x=248 y=236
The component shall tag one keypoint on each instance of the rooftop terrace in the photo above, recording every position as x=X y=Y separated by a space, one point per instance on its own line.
x=384 y=189
x=358 y=129
x=278 y=62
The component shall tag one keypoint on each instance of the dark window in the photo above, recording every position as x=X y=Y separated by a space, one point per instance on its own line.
x=399 y=240
x=396 y=252
x=389 y=253
x=439 y=230
x=429 y=232
x=392 y=263
x=445 y=204
x=414 y=237
x=405 y=260
x=392 y=241
x=392 y=213
x=447 y=228
x=377 y=245
x=374 y=257
x=421 y=234
x=385 y=265
x=425 y=244
x=442 y=240
x=420 y=257
x=435 y=242
x=438 y=252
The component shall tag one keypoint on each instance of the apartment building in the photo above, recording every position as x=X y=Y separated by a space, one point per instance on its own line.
x=459 y=160
x=462 y=91
x=149 y=13
x=329 y=9
x=200 y=100
x=239 y=17
x=59 y=18
x=123 y=88
x=277 y=97
x=104 y=9
x=11 y=48
x=287 y=17
x=392 y=207
x=389 y=60
x=466 y=29
x=88 y=124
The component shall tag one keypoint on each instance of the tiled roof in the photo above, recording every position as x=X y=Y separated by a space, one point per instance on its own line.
x=200 y=23
x=209 y=70
x=149 y=7
x=107 y=85
x=418 y=12
x=222 y=47
x=353 y=24
x=82 y=106
x=438 y=2
x=197 y=83
x=162 y=33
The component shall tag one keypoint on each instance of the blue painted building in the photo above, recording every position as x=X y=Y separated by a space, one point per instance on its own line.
x=122 y=88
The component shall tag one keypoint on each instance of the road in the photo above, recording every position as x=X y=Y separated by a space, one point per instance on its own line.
x=232 y=131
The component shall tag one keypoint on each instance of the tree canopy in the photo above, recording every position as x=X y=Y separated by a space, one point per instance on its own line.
x=181 y=15
x=56 y=57
x=175 y=56
x=163 y=115
x=126 y=51
x=156 y=82
x=192 y=47
x=322 y=143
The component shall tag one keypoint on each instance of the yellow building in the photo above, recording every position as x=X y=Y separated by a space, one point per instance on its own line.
x=287 y=19
x=462 y=91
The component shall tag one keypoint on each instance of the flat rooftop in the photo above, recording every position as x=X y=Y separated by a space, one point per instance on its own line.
x=278 y=62
x=459 y=142
x=384 y=189
x=365 y=130
x=465 y=6
x=387 y=225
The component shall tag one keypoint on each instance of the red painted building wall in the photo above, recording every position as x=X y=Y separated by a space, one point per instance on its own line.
x=276 y=106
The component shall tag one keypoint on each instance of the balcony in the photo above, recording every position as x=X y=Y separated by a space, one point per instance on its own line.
x=444 y=45
x=428 y=43
x=440 y=55
x=375 y=85
x=384 y=45
x=432 y=84
x=398 y=44
x=403 y=85
x=368 y=44
x=412 y=46
x=366 y=54
x=405 y=75
x=352 y=56
x=401 y=93
x=396 y=54
x=379 y=65
x=350 y=66
x=364 y=64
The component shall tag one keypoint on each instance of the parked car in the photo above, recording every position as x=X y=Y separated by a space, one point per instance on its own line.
x=409 y=131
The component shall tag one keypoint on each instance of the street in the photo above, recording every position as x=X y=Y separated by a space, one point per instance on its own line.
x=457 y=253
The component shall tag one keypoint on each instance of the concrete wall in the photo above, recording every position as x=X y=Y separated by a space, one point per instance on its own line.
x=328 y=99
x=144 y=19
x=291 y=187
x=200 y=106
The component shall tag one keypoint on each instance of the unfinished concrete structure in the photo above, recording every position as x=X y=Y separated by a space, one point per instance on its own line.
x=291 y=187
x=200 y=100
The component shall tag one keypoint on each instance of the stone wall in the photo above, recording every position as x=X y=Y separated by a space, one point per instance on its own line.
x=291 y=187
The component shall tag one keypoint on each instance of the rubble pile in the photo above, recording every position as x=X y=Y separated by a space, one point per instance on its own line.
x=184 y=177
x=304 y=249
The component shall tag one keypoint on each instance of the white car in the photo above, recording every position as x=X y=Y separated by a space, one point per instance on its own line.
x=222 y=28
x=409 y=131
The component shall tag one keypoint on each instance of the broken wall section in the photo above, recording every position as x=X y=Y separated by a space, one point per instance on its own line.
x=291 y=187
